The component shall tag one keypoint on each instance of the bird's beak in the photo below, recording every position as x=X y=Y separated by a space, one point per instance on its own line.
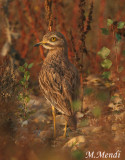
x=39 y=44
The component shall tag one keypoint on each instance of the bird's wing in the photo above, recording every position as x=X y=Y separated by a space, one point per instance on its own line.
x=66 y=86
x=62 y=87
x=71 y=86
x=57 y=90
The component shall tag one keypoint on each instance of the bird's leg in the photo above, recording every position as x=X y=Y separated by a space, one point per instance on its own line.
x=64 y=135
x=54 y=122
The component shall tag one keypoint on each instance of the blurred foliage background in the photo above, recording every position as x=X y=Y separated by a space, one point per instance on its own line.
x=23 y=23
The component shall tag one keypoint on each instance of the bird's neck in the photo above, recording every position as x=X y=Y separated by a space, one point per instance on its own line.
x=57 y=53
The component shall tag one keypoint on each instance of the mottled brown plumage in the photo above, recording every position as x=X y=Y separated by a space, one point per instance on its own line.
x=58 y=78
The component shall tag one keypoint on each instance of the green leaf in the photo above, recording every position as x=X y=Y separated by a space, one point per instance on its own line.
x=78 y=155
x=27 y=99
x=109 y=22
x=26 y=86
x=106 y=64
x=104 y=52
x=25 y=65
x=105 y=31
x=26 y=75
x=30 y=65
x=96 y=112
x=123 y=52
x=24 y=78
x=20 y=97
x=88 y=91
x=106 y=75
x=118 y=37
x=21 y=69
x=121 y=25
x=22 y=81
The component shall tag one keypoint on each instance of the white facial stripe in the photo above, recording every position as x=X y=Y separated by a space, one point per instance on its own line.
x=54 y=36
x=47 y=47
x=53 y=43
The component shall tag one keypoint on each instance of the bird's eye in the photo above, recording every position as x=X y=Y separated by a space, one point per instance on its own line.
x=53 y=39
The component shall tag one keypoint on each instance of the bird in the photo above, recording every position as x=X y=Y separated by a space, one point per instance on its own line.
x=59 y=78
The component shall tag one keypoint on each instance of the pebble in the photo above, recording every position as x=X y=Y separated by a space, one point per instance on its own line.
x=24 y=123
x=75 y=141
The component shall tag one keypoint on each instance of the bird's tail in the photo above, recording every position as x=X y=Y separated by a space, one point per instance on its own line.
x=71 y=121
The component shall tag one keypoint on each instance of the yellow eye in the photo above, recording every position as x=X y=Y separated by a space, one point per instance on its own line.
x=53 y=39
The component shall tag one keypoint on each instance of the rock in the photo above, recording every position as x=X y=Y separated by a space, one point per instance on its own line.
x=35 y=101
x=111 y=105
x=118 y=127
x=74 y=142
x=24 y=123
x=97 y=129
x=46 y=134
x=116 y=103
x=114 y=127
x=79 y=115
x=120 y=116
x=117 y=99
x=38 y=103
x=116 y=107
x=39 y=118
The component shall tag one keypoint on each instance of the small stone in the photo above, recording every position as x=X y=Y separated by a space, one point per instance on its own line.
x=45 y=134
x=117 y=100
x=40 y=118
x=111 y=105
x=114 y=127
x=24 y=123
x=79 y=115
x=120 y=116
x=97 y=129
x=75 y=141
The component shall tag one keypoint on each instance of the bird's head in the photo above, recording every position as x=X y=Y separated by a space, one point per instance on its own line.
x=52 y=40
